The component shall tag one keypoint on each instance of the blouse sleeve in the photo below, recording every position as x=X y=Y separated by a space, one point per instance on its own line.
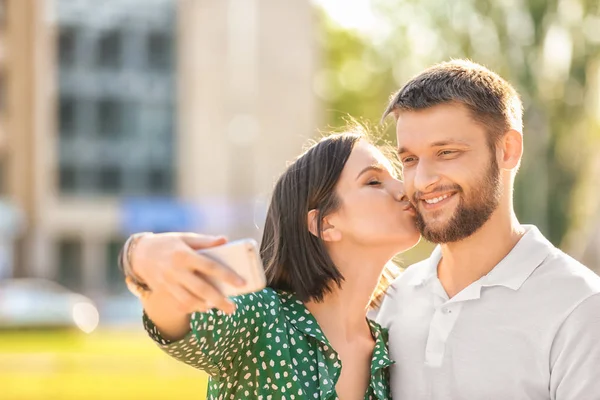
x=215 y=338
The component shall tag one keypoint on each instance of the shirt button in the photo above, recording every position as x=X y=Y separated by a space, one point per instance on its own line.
x=446 y=311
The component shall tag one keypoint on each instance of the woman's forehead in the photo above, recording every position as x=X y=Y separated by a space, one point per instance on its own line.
x=365 y=153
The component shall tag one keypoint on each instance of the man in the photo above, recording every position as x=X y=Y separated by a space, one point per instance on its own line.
x=496 y=312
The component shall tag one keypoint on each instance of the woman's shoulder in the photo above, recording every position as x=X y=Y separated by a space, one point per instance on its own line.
x=267 y=300
x=267 y=296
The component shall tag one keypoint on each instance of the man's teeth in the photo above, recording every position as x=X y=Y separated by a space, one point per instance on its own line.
x=437 y=199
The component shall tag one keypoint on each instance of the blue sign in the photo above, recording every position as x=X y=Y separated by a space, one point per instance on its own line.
x=159 y=215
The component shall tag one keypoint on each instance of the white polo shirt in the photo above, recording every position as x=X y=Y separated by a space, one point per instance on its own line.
x=530 y=329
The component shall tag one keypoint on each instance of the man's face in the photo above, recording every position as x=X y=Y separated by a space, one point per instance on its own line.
x=450 y=173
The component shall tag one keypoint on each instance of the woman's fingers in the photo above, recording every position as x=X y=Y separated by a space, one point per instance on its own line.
x=208 y=267
x=186 y=301
x=170 y=263
x=203 y=288
x=197 y=241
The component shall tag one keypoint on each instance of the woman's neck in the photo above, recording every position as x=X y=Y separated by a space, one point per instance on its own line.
x=342 y=313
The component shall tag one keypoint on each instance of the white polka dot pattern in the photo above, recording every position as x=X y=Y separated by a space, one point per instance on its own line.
x=270 y=348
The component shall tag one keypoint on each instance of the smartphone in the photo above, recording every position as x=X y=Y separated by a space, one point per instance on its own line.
x=243 y=257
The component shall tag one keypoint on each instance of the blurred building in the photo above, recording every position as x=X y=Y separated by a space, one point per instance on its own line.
x=17 y=124
x=128 y=115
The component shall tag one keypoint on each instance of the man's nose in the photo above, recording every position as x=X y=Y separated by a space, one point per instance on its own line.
x=425 y=176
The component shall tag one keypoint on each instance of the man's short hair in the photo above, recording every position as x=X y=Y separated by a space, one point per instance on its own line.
x=492 y=101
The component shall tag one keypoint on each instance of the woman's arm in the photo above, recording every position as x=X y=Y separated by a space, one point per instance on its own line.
x=172 y=323
x=169 y=276
x=185 y=315
x=215 y=339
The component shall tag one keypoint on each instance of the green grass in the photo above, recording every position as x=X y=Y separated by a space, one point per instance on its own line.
x=103 y=365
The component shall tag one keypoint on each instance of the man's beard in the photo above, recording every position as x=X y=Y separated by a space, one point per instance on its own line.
x=470 y=214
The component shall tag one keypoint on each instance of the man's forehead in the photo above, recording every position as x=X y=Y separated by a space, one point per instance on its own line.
x=424 y=135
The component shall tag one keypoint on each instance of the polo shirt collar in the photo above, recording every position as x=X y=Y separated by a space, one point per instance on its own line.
x=511 y=272
x=428 y=270
x=518 y=265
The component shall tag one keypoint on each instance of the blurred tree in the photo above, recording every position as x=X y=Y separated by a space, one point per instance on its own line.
x=354 y=80
x=548 y=49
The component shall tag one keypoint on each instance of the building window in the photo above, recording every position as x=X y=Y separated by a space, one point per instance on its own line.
x=70 y=263
x=160 y=181
x=114 y=274
x=117 y=102
x=160 y=50
x=110 y=49
x=110 y=117
x=67 y=116
x=110 y=179
x=67 y=179
x=67 y=45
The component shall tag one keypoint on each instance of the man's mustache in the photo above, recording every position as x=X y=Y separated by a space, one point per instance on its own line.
x=418 y=195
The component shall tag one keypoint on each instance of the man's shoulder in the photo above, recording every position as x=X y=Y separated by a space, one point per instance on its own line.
x=398 y=294
x=566 y=274
x=413 y=273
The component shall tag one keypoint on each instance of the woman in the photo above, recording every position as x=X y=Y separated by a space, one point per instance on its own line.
x=337 y=216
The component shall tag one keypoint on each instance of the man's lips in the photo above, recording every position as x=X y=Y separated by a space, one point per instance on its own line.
x=432 y=197
x=435 y=200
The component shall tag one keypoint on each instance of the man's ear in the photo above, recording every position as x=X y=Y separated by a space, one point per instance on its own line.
x=328 y=232
x=512 y=150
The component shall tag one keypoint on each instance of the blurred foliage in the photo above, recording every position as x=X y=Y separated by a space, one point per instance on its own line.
x=549 y=50
x=116 y=365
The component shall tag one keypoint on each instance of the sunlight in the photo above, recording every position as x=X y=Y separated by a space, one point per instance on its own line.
x=355 y=14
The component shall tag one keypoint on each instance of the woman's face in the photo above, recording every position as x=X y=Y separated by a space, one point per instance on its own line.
x=373 y=210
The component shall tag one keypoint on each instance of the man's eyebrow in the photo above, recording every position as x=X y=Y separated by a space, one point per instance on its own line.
x=440 y=143
x=447 y=142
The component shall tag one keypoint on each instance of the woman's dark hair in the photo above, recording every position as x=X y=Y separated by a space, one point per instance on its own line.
x=296 y=260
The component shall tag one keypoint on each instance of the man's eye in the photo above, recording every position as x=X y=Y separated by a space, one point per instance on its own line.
x=408 y=160
x=447 y=152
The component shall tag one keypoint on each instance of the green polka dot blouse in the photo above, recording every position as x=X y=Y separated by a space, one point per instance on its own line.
x=270 y=348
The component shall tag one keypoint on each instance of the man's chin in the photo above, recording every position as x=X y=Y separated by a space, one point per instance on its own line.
x=436 y=223
x=443 y=213
x=435 y=231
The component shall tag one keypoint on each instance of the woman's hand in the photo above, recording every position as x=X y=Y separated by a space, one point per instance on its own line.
x=170 y=265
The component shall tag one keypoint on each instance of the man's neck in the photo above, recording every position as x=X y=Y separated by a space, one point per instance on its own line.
x=468 y=260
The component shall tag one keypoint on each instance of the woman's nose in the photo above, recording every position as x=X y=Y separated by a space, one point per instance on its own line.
x=400 y=194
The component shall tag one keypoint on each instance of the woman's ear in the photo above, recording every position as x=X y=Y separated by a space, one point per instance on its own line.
x=312 y=221
x=328 y=231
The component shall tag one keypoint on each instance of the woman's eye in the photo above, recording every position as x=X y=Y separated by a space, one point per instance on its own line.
x=374 y=183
